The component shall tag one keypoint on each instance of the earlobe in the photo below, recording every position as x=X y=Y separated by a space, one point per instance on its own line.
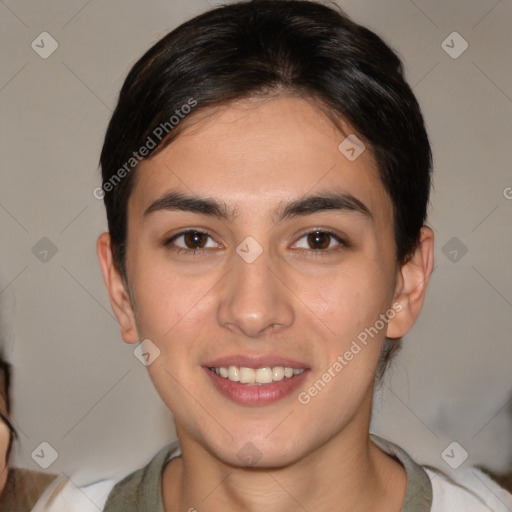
x=116 y=289
x=412 y=282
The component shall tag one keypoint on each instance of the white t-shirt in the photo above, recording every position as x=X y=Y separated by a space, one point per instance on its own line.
x=467 y=490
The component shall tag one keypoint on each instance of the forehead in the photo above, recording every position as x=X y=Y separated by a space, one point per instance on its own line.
x=257 y=153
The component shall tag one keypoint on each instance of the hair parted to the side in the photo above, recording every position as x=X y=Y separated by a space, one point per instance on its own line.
x=264 y=47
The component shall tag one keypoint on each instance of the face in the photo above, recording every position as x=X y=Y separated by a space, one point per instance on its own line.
x=289 y=261
x=5 y=436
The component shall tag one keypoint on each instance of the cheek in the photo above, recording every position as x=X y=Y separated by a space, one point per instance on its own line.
x=4 y=444
x=168 y=299
x=174 y=308
x=350 y=299
x=350 y=302
x=176 y=312
x=5 y=436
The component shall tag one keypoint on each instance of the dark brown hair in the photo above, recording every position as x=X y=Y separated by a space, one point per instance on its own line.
x=260 y=47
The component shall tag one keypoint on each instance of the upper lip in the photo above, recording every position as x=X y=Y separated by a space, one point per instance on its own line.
x=254 y=361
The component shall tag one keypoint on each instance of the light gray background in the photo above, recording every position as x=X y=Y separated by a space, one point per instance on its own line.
x=78 y=386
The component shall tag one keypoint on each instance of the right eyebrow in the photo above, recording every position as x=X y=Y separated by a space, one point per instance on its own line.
x=203 y=205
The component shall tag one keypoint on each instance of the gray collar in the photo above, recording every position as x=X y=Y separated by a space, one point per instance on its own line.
x=142 y=489
x=418 y=493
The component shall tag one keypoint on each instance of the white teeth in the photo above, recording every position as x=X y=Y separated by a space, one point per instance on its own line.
x=277 y=373
x=233 y=373
x=256 y=376
x=247 y=375
x=263 y=375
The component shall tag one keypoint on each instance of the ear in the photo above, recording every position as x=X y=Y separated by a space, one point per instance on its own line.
x=116 y=288
x=411 y=287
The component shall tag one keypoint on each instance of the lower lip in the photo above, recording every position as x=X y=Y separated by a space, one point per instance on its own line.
x=258 y=394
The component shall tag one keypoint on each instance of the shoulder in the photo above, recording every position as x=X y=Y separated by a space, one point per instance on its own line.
x=115 y=492
x=23 y=487
x=63 y=494
x=467 y=489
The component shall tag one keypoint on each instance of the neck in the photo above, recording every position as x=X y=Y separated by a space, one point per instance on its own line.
x=347 y=473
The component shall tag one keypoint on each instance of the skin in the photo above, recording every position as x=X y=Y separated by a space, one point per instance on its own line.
x=5 y=435
x=256 y=155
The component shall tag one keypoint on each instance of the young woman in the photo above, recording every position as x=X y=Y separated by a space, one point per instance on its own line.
x=266 y=176
x=19 y=488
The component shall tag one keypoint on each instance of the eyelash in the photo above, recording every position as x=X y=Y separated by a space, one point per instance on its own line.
x=313 y=252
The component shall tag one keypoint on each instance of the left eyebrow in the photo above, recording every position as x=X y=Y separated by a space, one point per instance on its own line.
x=340 y=201
x=307 y=205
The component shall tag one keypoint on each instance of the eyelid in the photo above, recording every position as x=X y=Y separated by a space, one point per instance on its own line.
x=341 y=239
x=169 y=239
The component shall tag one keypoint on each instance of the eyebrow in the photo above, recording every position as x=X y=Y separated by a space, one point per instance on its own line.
x=307 y=205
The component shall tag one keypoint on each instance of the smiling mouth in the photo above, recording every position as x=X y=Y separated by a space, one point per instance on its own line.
x=256 y=376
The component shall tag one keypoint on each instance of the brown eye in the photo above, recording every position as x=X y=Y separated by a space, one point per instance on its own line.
x=319 y=240
x=195 y=239
x=191 y=241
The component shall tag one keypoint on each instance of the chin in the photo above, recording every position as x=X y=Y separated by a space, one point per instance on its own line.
x=259 y=452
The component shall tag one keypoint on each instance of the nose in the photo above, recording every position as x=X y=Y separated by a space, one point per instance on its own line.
x=255 y=299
